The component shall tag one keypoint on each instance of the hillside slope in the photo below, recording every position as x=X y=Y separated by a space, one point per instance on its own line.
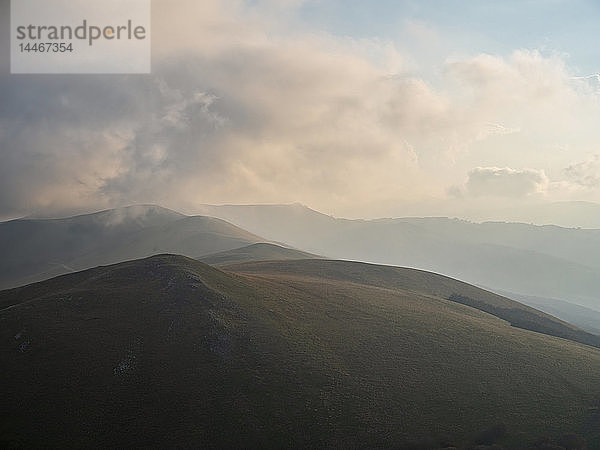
x=37 y=249
x=168 y=352
x=580 y=316
x=256 y=252
x=421 y=283
x=542 y=261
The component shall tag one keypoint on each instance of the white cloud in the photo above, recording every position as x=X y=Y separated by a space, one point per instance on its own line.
x=502 y=182
x=240 y=109
x=495 y=129
x=584 y=174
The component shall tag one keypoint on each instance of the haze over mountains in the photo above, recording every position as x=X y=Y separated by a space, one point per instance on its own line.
x=169 y=352
x=256 y=252
x=586 y=318
x=572 y=214
x=37 y=249
x=334 y=353
x=557 y=266
x=440 y=290
x=543 y=261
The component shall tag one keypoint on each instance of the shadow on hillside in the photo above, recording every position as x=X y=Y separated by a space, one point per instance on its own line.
x=531 y=321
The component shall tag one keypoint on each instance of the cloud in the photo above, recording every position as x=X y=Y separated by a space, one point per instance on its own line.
x=585 y=174
x=502 y=182
x=240 y=108
x=523 y=76
x=238 y=117
x=495 y=129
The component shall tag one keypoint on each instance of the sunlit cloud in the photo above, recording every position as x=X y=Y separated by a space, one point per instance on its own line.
x=242 y=107
x=502 y=182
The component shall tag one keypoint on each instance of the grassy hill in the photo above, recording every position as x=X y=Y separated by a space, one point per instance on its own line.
x=541 y=261
x=167 y=351
x=37 y=249
x=256 y=252
x=580 y=316
x=423 y=283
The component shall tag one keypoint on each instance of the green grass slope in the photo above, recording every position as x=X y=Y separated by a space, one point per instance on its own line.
x=426 y=283
x=170 y=352
x=256 y=252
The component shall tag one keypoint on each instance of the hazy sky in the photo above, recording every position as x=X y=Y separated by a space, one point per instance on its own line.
x=355 y=108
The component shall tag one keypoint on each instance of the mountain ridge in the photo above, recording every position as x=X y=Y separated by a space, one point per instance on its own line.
x=34 y=249
x=416 y=280
x=541 y=261
x=256 y=252
x=109 y=356
x=544 y=261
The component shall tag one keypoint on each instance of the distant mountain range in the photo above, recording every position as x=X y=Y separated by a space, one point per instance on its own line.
x=573 y=214
x=585 y=318
x=545 y=262
x=37 y=249
x=256 y=252
x=168 y=352
x=542 y=261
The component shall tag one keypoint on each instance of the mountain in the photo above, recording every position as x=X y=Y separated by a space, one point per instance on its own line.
x=280 y=220
x=256 y=252
x=571 y=214
x=580 y=316
x=423 y=283
x=542 y=261
x=531 y=261
x=37 y=249
x=133 y=216
x=169 y=352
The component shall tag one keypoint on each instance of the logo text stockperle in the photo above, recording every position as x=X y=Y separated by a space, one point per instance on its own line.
x=89 y=33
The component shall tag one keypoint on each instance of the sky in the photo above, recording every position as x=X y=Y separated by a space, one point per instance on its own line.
x=356 y=109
